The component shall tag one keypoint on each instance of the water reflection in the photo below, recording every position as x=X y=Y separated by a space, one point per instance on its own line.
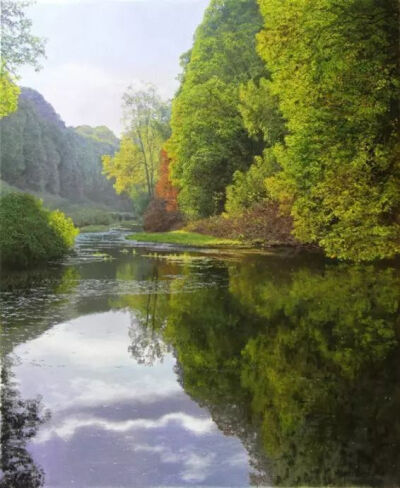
x=20 y=420
x=118 y=422
x=190 y=369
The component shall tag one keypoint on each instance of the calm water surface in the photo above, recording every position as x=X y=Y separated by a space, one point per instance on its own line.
x=136 y=367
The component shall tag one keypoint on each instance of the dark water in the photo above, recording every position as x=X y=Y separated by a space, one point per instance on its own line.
x=135 y=368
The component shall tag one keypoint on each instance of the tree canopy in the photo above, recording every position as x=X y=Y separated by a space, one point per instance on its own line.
x=315 y=117
x=135 y=167
x=209 y=141
x=335 y=71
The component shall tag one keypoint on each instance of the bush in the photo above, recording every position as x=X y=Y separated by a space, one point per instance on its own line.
x=158 y=219
x=31 y=234
x=262 y=224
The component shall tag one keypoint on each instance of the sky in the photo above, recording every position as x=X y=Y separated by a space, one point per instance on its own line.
x=96 y=49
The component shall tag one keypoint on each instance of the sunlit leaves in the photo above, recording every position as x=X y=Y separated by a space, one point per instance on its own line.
x=334 y=70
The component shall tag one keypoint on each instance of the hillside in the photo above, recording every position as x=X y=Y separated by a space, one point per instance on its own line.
x=40 y=154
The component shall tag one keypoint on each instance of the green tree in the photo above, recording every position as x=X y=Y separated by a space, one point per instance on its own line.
x=335 y=70
x=126 y=167
x=135 y=166
x=209 y=141
x=31 y=234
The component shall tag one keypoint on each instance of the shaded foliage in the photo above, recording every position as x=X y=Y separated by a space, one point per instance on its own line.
x=262 y=224
x=31 y=234
x=38 y=153
x=209 y=141
x=20 y=422
x=157 y=217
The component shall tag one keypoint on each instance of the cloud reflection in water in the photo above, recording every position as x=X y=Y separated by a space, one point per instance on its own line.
x=116 y=422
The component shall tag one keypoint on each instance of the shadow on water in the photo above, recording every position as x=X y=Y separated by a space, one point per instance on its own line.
x=20 y=420
x=296 y=357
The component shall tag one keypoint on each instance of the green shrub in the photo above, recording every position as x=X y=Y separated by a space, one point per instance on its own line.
x=31 y=234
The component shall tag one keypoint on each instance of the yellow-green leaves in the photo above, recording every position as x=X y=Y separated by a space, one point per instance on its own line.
x=126 y=167
x=9 y=93
x=334 y=70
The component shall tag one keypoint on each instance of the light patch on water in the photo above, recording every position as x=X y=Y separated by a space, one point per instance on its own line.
x=195 y=425
x=90 y=360
x=115 y=418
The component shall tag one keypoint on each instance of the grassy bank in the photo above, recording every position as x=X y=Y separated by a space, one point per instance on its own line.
x=128 y=225
x=95 y=228
x=185 y=238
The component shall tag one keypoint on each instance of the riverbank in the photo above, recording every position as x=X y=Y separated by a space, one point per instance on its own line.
x=185 y=238
x=130 y=225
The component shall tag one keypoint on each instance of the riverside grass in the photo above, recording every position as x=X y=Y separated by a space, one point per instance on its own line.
x=185 y=238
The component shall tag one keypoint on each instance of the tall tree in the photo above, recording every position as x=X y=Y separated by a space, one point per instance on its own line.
x=209 y=141
x=136 y=165
x=164 y=188
x=335 y=70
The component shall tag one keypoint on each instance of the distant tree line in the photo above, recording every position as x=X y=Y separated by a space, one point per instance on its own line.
x=39 y=153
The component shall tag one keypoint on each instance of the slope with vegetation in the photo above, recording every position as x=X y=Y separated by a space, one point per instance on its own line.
x=39 y=154
x=288 y=116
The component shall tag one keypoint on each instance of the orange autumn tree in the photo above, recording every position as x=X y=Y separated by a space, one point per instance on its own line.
x=164 y=189
x=163 y=214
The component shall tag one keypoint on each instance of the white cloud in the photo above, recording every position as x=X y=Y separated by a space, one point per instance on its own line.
x=197 y=467
x=93 y=366
x=67 y=429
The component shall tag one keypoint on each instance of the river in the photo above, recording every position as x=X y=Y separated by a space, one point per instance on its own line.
x=130 y=366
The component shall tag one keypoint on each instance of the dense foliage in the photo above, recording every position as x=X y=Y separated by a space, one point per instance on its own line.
x=209 y=141
x=40 y=154
x=335 y=71
x=31 y=234
x=320 y=114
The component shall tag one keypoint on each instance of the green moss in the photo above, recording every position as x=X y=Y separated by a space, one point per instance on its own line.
x=185 y=238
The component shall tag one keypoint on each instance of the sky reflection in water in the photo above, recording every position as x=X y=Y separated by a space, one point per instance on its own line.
x=116 y=422
x=168 y=368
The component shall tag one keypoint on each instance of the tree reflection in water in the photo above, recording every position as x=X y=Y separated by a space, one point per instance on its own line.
x=20 y=420
x=302 y=360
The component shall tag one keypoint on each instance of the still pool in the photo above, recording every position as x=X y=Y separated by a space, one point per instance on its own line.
x=157 y=367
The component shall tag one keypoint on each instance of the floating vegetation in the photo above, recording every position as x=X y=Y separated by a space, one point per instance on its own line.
x=104 y=256
x=179 y=258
